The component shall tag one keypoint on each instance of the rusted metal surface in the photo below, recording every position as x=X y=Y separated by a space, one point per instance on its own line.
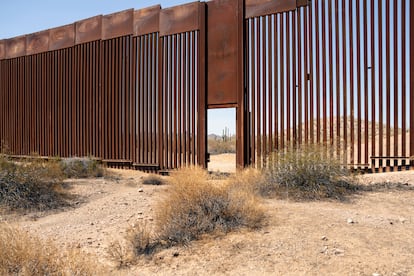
x=182 y=18
x=302 y=3
x=62 y=37
x=183 y=86
x=146 y=99
x=37 y=43
x=242 y=122
x=266 y=7
x=411 y=78
x=118 y=24
x=133 y=88
x=180 y=107
x=146 y=20
x=16 y=47
x=223 y=52
x=2 y=49
x=357 y=87
x=88 y=30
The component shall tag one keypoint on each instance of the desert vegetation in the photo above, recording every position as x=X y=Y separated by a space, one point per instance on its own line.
x=85 y=167
x=153 y=179
x=195 y=206
x=30 y=185
x=190 y=208
x=37 y=184
x=224 y=143
x=311 y=172
x=23 y=254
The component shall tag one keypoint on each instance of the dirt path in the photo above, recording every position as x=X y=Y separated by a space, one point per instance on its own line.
x=106 y=208
x=372 y=233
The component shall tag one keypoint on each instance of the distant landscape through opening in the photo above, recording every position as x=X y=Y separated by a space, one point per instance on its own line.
x=221 y=140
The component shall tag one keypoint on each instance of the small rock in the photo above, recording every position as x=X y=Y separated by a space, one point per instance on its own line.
x=324 y=249
x=140 y=190
x=324 y=238
x=376 y=274
x=338 y=251
x=350 y=221
x=176 y=254
x=266 y=232
x=92 y=223
x=402 y=220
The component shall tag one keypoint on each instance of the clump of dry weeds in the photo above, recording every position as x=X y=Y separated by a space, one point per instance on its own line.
x=76 y=167
x=310 y=172
x=192 y=207
x=153 y=179
x=30 y=185
x=22 y=254
x=195 y=206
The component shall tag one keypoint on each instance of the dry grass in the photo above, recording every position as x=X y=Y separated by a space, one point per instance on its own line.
x=311 y=172
x=153 y=179
x=22 y=254
x=251 y=180
x=192 y=207
x=86 y=167
x=219 y=146
x=31 y=185
x=195 y=206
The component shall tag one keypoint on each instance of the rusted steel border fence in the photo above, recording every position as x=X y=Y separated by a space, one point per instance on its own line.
x=132 y=88
x=335 y=73
x=127 y=88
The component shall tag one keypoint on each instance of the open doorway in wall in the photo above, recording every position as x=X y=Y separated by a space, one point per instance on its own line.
x=221 y=140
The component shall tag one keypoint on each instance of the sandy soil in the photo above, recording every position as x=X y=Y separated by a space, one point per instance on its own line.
x=372 y=232
x=225 y=162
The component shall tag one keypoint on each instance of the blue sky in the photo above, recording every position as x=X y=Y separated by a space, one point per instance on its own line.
x=19 y=17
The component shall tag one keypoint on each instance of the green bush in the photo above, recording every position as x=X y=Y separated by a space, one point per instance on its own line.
x=311 y=172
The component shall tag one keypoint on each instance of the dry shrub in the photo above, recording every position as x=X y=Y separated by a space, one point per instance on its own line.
x=121 y=253
x=219 y=146
x=251 y=180
x=195 y=206
x=22 y=254
x=192 y=207
x=153 y=179
x=76 y=167
x=311 y=172
x=31 y=185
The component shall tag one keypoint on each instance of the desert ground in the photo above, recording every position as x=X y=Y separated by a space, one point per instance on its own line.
x=369 y=233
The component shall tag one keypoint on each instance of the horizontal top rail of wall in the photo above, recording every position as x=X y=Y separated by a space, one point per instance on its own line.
x=256 y=8
x=103 y=27
x=146 y=20
x=185 y=18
